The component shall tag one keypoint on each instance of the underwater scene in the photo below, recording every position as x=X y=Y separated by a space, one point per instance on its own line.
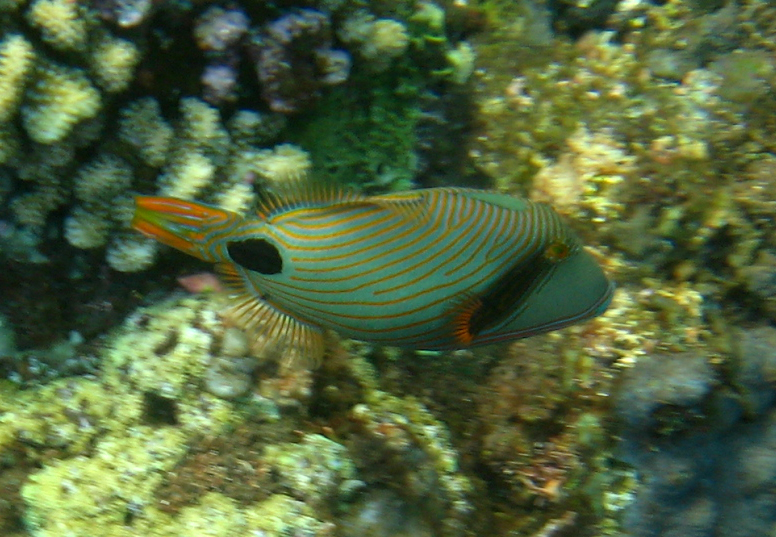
x=371 y=268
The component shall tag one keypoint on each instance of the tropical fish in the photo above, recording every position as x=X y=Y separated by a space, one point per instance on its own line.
x=434 y=269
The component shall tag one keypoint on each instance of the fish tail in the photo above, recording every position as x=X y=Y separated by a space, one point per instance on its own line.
x=185 y=225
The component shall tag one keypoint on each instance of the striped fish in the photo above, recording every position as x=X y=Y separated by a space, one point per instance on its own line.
x=433 y=269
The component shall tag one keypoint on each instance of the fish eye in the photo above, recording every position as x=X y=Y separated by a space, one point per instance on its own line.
x=258 y=255
x=557 y=251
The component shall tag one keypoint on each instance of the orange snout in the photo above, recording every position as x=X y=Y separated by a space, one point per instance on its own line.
x=178 y=223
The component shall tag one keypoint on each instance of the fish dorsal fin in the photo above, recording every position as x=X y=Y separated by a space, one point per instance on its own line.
x=301 y=194
x=500 y=199
x=272 y=332
x=412 y=204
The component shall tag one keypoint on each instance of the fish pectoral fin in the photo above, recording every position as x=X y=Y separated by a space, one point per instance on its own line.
x=273 y=333
x=461 y=320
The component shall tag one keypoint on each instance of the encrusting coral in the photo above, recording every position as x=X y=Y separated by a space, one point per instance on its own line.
x=121 y=437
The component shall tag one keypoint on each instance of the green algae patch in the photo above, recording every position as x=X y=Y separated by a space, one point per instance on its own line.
x=364 y=137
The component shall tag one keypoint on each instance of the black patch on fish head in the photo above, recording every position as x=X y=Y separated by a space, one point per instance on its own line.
x=513 y=288
x=258 y=255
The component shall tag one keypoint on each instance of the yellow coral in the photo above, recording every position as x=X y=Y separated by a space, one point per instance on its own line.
x=114 y=462
x=387 y=38
x=131 y=254
x=61 y=23
x=42 y=416
x=113 y=63
x=86 y=230
x=187 y=175
x=68 y=496
x=16 y=60
x=143 y=127
x=102 y=179
x=283 y=163
x=238 y=198
x=59 y=99
x=201 y=127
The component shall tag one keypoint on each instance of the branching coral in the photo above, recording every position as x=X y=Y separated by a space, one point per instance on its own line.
x=379 y=41
x=283 y=164
x=16 y=61
x=61 y=23
x=99 y=187
x=218 y=33
x=195 y=157
x=294 y=60
x=146 y=131
x=113 y=63
x=60 y=97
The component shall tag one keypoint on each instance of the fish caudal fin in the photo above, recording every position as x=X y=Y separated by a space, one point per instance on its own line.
x=182 y=224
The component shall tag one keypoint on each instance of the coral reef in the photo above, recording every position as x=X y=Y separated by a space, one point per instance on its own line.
x=218 y=32
x=650 y=125
x=16 y=60
x=294 y=58
x=703 y=454
x=142 y=447
x=395 y=443
x=165 y=98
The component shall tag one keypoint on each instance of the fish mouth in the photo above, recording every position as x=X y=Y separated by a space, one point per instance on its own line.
x=175 y=222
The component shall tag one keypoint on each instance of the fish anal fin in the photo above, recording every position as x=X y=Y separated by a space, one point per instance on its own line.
x=273 y=333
